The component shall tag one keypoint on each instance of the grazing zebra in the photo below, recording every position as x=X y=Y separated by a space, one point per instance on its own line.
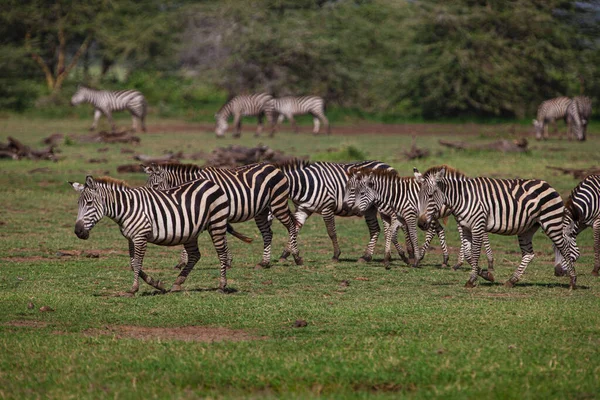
x=289 y=106
x=319 y=187
x=393 y=194
x=106 y=102
x=163 y=217
x=548 y=112
x=582 y=209
x=255 y=191
x=259 y=105
x=578 y=116
x=503 y=206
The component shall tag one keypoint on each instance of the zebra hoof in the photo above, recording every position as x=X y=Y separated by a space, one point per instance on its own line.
x=262 y=266
x=299 y=261
x=470 y=285
x=573 y=283
x=176 y=288
x=444 y=266
x=595 y=273
x=335 y=259
x=364 y=259
x=487 y=275
x=456 y=267
x=509 y=284
x=558 y=270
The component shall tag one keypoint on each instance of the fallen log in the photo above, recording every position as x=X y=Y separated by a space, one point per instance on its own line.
x=16 y=150
x=505 y=146
x=109 y=137
x=576 y=172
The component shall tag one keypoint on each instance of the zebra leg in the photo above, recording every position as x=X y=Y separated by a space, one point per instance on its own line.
x=264 y=226
x=271 y=122
x=136 y=255
x=289 y=222
x=218 y=235
x=134 y=123
x=388 y=229
x=525 y=242
x=316 y=125
x=113 y=126
x=237 y=122
x=461 y=251
x=97 y=115
x=143 y=122
x=438 y=229
x=326 y=124
x=410 y=221
x=259 y=126
x=329 y=219
x=596 y=228
x=374 y=229
x=488 y=252
x=394 y=228
x=474 y=239
x=293 y=123
x=300 y=217
x=183 y=259
x=193 y=256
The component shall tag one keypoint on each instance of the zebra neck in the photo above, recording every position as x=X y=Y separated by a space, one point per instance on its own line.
x=224 y=112
x=455 y=192
x=116 y=203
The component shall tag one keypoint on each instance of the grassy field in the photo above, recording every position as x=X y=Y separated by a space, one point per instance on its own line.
x=371 y=332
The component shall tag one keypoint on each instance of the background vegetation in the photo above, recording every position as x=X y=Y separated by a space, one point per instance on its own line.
x=384 y=59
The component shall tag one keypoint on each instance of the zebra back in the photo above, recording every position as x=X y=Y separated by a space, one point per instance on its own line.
x=583 y=204
x=553 y=109
x=297 y=105
x=108 y=101
x=247 y=105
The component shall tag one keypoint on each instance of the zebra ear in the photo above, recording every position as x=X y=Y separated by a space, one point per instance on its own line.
x=440 y=174
x=418 y=175
x=368 y=181
x=147 y=169
x=77 y=186
x=90 y=182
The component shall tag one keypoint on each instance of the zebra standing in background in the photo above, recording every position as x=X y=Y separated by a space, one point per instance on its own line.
x=289 y=106
x=548 y=112
x=579 y=112
x=259 y=105
x=319 y=187
x=166 y=218
x=106 y=102
x=503 y=206
x=392 y=194
x=255 y=191
x=582 y=209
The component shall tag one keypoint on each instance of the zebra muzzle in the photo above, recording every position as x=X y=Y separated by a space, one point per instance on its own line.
x=422 y=223
x=80 y=231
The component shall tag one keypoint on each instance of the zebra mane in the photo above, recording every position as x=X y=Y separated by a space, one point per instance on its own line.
x=112 y=181
x=449 y=171
x=179 y=167
x=294 y=163
x=379 y=172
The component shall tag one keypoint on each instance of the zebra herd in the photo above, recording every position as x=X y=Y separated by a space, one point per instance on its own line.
x=178 y=202
x=575 y=112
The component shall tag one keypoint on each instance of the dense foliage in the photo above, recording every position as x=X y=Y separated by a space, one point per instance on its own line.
x=403 y=58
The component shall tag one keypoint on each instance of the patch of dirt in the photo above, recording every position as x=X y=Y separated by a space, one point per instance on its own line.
x=184 y=333
x=27 y=324
x=502 y=295
x=25 y=259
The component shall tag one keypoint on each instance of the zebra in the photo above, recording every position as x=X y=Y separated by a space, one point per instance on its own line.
x=166 y=218
x=502 y=206
x=259 y=105
x=582 y=209
x=548 y=112
x=393 y=194
x=256 y=191
x=105 y=102
x=319 y=187
x=579 y=112
x=289 y=106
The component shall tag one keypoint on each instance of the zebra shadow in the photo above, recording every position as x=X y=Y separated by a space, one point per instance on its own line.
x=534 y=284
x=227 y=290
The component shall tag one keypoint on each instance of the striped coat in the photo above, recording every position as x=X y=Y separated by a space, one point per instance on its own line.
x=166 y=218
x=259 y=105
x=549 y=112
x=579 y=112
x=106 y=102
x=290 y=106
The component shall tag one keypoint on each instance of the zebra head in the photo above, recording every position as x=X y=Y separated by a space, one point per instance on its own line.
x=431 y=198
x=157 y=177
x=91 y=207
x=578 y=129
x=570 y=248
x=222 y=125
x=539 y=128
x=354 y=175
x=79 y=96
x=364 y=194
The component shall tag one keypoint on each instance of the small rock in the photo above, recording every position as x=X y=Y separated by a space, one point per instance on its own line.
x=46 y=309
x=300 y=323
x=440 y=351
x=512 y=346
x=30 y=305
x=344 y=283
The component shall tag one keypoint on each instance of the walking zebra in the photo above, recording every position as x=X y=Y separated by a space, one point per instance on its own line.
x=106 y=102
x=392 y=194
x=259 y=105
x=579 y=112
x=319 y=187
x=166 y=218
x=289 y=106
x=548 y=112
x=503 y=206
x=582 y=209
x=255 y=191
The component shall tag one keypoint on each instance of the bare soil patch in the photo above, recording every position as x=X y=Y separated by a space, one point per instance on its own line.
x=183 y=333
x=27 y=324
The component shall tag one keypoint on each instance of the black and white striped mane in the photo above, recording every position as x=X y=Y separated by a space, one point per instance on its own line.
x=294 y=163
x=376 y=172
x=112 y=182
x=186 y=168
x=450 y=172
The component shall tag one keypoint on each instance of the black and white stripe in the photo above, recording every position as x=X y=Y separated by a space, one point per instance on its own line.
x=259 y=105
x=166 y=218
x=105 y=102
x=290 y=106
x=549 y=112
x=255 y=191
x=579 y=112
x=319 y=187
x=582 y=210
x=502 y=206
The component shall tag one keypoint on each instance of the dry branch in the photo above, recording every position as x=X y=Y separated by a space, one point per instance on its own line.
x=16 y=150
x=505 y=146
x=577 y=173
x=109 y=137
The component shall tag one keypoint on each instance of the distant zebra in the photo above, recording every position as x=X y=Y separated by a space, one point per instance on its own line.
x=503 y=206
x=166 y=218
x=106 y=102
x=393 y=194
x=289 y=106
x=319 y=187
x=258 y=105
x=548 y=112
x=255 y=191
x=582 y=209
x=579 y=112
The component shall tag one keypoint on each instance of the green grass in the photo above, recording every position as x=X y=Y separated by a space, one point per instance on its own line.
x=403 y=332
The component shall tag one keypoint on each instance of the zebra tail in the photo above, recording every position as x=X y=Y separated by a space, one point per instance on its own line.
x=238 y=235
